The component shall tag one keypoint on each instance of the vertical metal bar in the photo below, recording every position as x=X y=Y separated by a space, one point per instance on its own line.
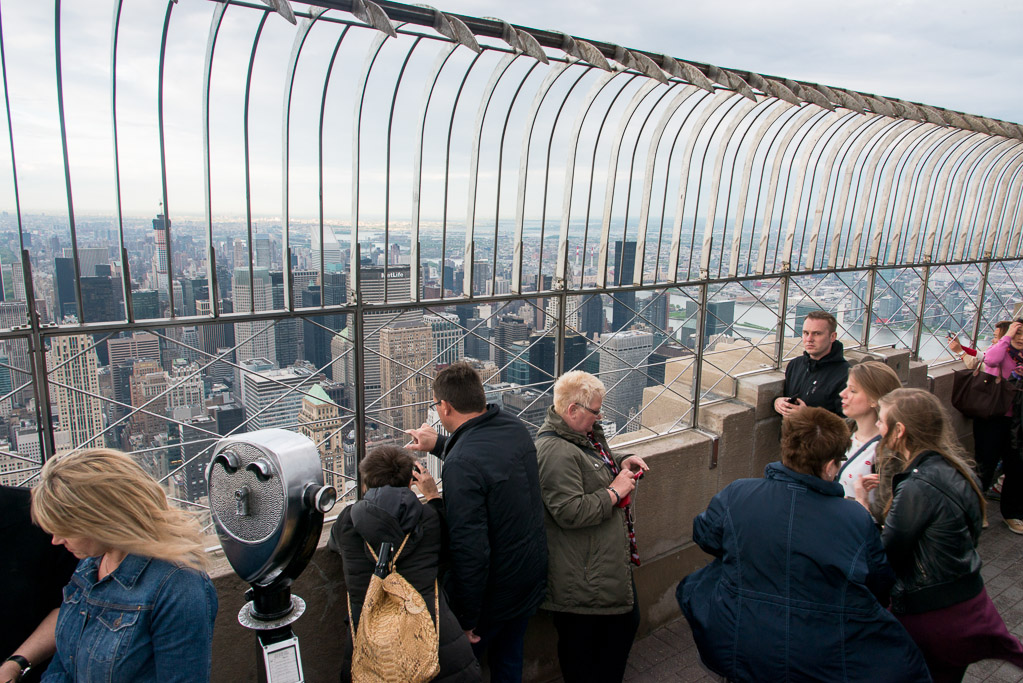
x=211 y=44
x=980 y=302
x=248 y=166
x=129 y=312
x=921 y=309
x=163 y=158
x=559 y=362
x=358 y=358
x=417 y=167
x=783 y=305
x=37 y=352
x=735 y=115
x=500 y=69
x=547 y=176
x=296 y=51
x=573 y=150
x=553 y=74
x=414 y=291
x=10 y=137
x=701 y=322
x=868 y=316
x=648 y=180
x=717 y=100
x=319 y=160
x=67 y=163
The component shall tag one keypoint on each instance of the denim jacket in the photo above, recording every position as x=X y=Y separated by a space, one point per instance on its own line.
x=149 y=620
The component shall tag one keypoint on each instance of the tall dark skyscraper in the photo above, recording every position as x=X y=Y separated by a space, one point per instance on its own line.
x=623 y=302
x=64 y=286
x=542 y=355
x=287 y=332
x=102 y=297
x=145 y=304
x=655 y=311
x=317 y=339
x=591 y=314
x=509 y=329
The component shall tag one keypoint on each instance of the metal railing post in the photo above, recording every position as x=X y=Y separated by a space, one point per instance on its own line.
x=980 y=303
x=701 y=323
x=868 y=307
x=921 y=309
x=37 y=352
x=783 y=305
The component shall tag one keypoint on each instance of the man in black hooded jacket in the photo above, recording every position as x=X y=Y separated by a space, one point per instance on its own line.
x=498 y=546
x=818 y=377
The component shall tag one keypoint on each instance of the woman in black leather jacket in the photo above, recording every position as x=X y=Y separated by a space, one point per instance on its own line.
x=930 y=535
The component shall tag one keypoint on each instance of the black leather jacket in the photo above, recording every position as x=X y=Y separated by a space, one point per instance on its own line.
x=931 y=535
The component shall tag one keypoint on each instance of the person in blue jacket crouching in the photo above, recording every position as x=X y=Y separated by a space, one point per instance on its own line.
x=799 y=584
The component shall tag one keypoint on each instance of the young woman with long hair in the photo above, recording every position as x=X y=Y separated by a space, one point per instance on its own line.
x=867 y=383
x=930 y=534
x=139 y=606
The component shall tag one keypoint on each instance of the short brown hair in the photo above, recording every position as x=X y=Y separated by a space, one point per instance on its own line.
x=386 y=466
x=826 y=317
x=811 y=438
x=1002 y=326
x=460 y=385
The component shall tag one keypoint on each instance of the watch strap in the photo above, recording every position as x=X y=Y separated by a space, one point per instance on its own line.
x=22 y=662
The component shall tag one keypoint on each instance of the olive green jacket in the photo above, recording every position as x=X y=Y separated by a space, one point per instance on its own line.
x=588 y=570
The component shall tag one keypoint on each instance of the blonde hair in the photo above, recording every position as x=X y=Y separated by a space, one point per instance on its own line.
x=927 y=428
x=104 y=495
x=576 y=387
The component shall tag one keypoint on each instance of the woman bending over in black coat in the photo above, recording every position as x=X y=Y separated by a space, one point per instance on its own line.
x=389 y=510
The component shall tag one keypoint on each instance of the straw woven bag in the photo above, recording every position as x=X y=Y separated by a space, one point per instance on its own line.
x=396 y=642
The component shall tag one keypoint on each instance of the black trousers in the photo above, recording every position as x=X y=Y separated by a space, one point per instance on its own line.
x=991 y=443
x=594 y=648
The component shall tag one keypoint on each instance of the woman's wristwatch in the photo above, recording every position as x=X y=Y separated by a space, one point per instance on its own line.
x=618 y=498
x=23 y=663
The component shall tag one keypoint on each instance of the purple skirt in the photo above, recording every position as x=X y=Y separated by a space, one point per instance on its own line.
x=954 y=637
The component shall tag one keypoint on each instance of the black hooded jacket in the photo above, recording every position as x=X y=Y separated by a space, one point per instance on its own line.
x=386 y=514
x=818 y=382
x=498 y=546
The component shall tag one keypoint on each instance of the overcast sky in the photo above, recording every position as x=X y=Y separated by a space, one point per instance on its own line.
x=963 y=56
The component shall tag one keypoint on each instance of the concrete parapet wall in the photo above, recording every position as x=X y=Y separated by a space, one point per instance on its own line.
x=684 y=476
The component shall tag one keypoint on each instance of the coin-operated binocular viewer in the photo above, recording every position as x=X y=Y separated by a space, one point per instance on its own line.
x=268 y=500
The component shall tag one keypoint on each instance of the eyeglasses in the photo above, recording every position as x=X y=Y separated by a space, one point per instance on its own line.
x=595 y=413
x=435 y=404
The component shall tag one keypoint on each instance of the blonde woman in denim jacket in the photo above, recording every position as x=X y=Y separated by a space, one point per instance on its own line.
x=139 y=606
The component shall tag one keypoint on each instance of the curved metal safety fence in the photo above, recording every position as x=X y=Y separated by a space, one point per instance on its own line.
x=349 y=194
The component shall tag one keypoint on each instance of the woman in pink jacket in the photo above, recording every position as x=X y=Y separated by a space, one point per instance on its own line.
x=992 y=437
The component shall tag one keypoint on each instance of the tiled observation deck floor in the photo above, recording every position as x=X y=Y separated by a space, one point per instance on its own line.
x=669 y=654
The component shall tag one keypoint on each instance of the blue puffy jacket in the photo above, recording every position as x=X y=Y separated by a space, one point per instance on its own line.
x=793 y=594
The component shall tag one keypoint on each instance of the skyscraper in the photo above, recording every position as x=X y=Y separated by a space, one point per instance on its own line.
x=320 y=420
x=623 y=303
x=262 y=343
x=448 y=338
x=620 y=353
x=288 y=331
x=405 y=347
x=73 y=368
x=161 y=260
x=374 y=282
x=509 y=329
x=66 y=301
x=269 y=399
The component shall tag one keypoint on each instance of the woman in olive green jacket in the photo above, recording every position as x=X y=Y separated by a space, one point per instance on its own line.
x=590 y=538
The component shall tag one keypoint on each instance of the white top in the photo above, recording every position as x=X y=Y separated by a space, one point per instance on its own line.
x=857 y=465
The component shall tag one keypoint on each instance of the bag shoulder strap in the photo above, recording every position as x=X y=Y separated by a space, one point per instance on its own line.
x=436 y=589
x=857 y=454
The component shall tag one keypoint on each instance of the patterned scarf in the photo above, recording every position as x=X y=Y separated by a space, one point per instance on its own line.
x=629 y=525
x=1017 y=358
